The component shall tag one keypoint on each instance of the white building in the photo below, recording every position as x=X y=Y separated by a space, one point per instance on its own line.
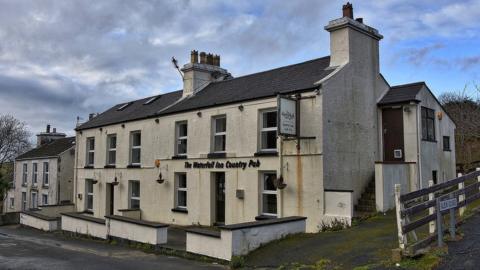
x=44 y=175
x=211 y=153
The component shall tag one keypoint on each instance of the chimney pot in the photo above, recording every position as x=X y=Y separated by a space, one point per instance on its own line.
x=194 y=57
x=360 y=20
x=48 y=128
x=203 y=58
x=54 y=130
x=348 y=10
x=209 y=59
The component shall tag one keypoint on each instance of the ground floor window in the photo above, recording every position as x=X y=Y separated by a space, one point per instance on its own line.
x=134 y=194
x=269 y=194
x=44 y=199
x=181 y=190
x=12 y=202
x=89 y=194
x=34 y=200
x=24 y=201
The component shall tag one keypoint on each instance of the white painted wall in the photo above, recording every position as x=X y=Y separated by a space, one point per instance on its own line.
x=339 y=206
x=38 y=223
x=136 y=232
x=214 y=247
x=84 y=227
x=386 y=176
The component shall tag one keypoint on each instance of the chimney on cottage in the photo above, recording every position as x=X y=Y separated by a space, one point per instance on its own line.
x=202 y=71
x=352 y=41
x=47 y=136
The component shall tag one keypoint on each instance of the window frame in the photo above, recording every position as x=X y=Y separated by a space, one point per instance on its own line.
x=88 y=194
x=46 y=173
x=24 y=173
x=263 y=129
x=263 y=191
x=216 y=134
x=44 y=202
x=427 y=134
x=446 y=147
x=179 y=189
x=34 y=203
x=89 y=150
x=130 y=194
x=34 y=173
x=24 y=201
x=135 y=147
x=12 y=202
x=110 y=149
x=179 y=138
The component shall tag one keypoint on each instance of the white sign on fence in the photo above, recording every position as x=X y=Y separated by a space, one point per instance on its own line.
x=287 y=116
x=448 y=204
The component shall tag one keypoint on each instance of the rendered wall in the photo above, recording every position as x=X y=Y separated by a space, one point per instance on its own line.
x=386 y=176
x=136 y=232
x=84 y=227
x=38 y=223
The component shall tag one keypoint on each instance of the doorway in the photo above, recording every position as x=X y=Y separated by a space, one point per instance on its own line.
x=109 y=199
x=219 y=179
x=393 y=144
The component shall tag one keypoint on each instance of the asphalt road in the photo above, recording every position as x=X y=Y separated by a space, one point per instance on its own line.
x=22 y=248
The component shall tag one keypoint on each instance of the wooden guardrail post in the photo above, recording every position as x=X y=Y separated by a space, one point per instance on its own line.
x=431 y=210
x=461 y=197
x=402 y=239
x=478 y=178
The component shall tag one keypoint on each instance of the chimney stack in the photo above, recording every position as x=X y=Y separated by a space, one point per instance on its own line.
x=194 y=57
x=203 y=58
x=48 y=128
x=54 y=130
x=47 y=136
x=360 y=20
x=348 y=10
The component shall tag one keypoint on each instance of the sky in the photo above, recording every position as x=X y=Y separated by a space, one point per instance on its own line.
x=63 y=59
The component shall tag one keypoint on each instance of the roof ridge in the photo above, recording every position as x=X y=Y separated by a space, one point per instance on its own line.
x=408 y=84
x=136 y=100
x=273 y=69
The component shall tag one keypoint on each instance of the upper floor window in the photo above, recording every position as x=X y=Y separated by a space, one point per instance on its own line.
x=268 y=130
x=134 y=195
x=34 y=173
x=89 y=194
x=219 y=126
x=428 y=124
x=269 y=194
x=12 y=202
x=181 y=190
x=111 y=149
x=90 y=151
x=46 y=173
x=135 y=147
x=181 y=138
x=24 y=173
x=446 y=143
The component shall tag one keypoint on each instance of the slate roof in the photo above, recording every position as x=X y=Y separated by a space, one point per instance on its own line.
x=51 y=149
x=288 y=79
x=402 y=93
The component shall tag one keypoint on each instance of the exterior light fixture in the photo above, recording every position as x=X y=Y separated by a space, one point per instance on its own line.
x=160 y=179
x=157 y=121
x=123 y=125
x=115 y=182
x=199 y=114
x=240 y=108
x=279 y=183
x=94 y=182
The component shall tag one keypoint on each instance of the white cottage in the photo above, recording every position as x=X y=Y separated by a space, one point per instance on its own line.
x=211 y=154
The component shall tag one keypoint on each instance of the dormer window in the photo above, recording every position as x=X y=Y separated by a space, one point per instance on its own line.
x=122 y=107
x=151 y=100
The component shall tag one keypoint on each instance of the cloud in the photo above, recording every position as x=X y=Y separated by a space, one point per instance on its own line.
x=418 y=56
x=467 y=63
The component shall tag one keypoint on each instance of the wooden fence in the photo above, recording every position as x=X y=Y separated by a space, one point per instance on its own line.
x=419 y=208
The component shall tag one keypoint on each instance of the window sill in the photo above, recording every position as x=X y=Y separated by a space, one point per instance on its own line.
x=273 y=153
x=432 y=141
x=89 y=212
x=134 y=166
x=88 y=167
x=265 y=217
x=45 y=186
x=109 y=166
x=179 y=157
x=180 y=210
x=217 y=155
x=447 y=150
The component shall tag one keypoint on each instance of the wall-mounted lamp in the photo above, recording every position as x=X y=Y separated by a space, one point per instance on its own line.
x=279 y=182
x=160 y=179
x=240 y=108
x=100 y=129
x=79 y=196
x=115 y=182
x=157 y=121
x=406 y=109
x=94 y=182
x=123 y=125
x=199 y=114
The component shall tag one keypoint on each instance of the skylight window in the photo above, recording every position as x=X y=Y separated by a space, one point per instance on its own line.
x=124 y=106
x=152 y=99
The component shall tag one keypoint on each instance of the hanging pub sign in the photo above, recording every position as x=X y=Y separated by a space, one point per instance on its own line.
x=287 y=116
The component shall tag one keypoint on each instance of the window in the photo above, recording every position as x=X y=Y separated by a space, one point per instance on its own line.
x=111 y=149
x=124 y=106
x=24 y=201
x=135 y=145
x=428 y=124
x=89 y=194
x=134 y=195
x=446 y=143
x=25 y=173
x=44 y=199
x=181 y=190
x=34 y=203
x=34 y=173
x=181 y=141
x=12 y=203
x=268 y=130
x=46 y=173
x=90 y=151
x=269 y=194
x=152 y=99
x=219 y=125
x=434 y=177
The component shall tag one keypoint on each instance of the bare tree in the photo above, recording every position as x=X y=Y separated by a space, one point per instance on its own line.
x=14 y=140
x=464 y=109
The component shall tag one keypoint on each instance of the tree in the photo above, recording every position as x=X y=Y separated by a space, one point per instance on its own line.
x=14 y=140
x=464 y=109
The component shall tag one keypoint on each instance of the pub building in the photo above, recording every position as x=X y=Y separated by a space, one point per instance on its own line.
x=306 y=139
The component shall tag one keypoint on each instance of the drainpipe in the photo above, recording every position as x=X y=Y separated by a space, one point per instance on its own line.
x=280 y=158
x=419 y=156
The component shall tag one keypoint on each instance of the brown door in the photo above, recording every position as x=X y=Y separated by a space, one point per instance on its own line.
x=392 y=124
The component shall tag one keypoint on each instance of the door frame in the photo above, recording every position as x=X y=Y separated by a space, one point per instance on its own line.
x=384 y=148
x=214 y=201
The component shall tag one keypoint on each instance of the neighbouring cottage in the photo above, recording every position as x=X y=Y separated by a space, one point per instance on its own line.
x=44 y=175
x=211 y=153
